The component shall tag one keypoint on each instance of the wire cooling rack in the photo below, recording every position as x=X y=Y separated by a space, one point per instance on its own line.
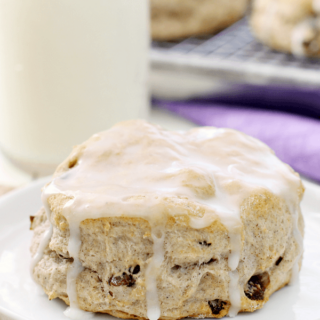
x=234 y=54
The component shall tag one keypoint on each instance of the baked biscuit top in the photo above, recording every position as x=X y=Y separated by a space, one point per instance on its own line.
x=140 y=163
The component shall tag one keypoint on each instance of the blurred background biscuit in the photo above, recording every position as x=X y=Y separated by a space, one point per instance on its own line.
x=174 y=19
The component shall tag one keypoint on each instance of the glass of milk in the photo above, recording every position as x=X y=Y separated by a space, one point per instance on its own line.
x=68 y=69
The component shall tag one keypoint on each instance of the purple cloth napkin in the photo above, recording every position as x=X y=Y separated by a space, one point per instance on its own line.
x=294 y=138
x=296 y=100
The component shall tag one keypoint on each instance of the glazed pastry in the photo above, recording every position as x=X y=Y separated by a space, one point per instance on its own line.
x=174 y=19
x=288 y=25
x=144 y=223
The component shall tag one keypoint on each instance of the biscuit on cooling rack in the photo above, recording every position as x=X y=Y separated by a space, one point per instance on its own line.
x=288 y=25
x=175 y=19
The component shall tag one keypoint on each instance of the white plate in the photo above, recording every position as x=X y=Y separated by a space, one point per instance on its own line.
x=21 y=299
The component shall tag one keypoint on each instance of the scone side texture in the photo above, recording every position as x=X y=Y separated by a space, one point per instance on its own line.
x=189 y=262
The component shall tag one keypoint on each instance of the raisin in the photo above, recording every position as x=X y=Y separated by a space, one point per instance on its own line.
x=216 y=306
x=205 y=243
x=136 y=269
x=256 y=286
x=278 y=261
x=124 y=280
x=65 y=258
x=72 y=163
x=31 y=221
x=208 y=262
x=176 y=267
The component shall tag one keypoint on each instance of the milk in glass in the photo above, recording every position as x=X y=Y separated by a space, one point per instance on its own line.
x=68 y=69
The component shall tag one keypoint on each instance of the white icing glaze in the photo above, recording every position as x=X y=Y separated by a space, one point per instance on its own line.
x=73 y=248
x=234 y=294
x=153 y=305
x=134 y=168
x=45 y=238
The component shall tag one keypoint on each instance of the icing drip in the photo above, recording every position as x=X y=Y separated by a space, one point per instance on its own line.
x=231 y=220
x=234 y=293
x=233 y=262
x=74 y=245
x=132 y=169
x=46 y=237
x=153 y=306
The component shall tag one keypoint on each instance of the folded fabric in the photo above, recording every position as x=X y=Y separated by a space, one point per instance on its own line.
x=296 y=100
x=294 y=138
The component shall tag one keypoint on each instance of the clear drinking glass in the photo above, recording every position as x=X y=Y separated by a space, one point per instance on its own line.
x=68 y=69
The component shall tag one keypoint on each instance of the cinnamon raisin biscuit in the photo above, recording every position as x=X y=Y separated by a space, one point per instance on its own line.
x=143 y=223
